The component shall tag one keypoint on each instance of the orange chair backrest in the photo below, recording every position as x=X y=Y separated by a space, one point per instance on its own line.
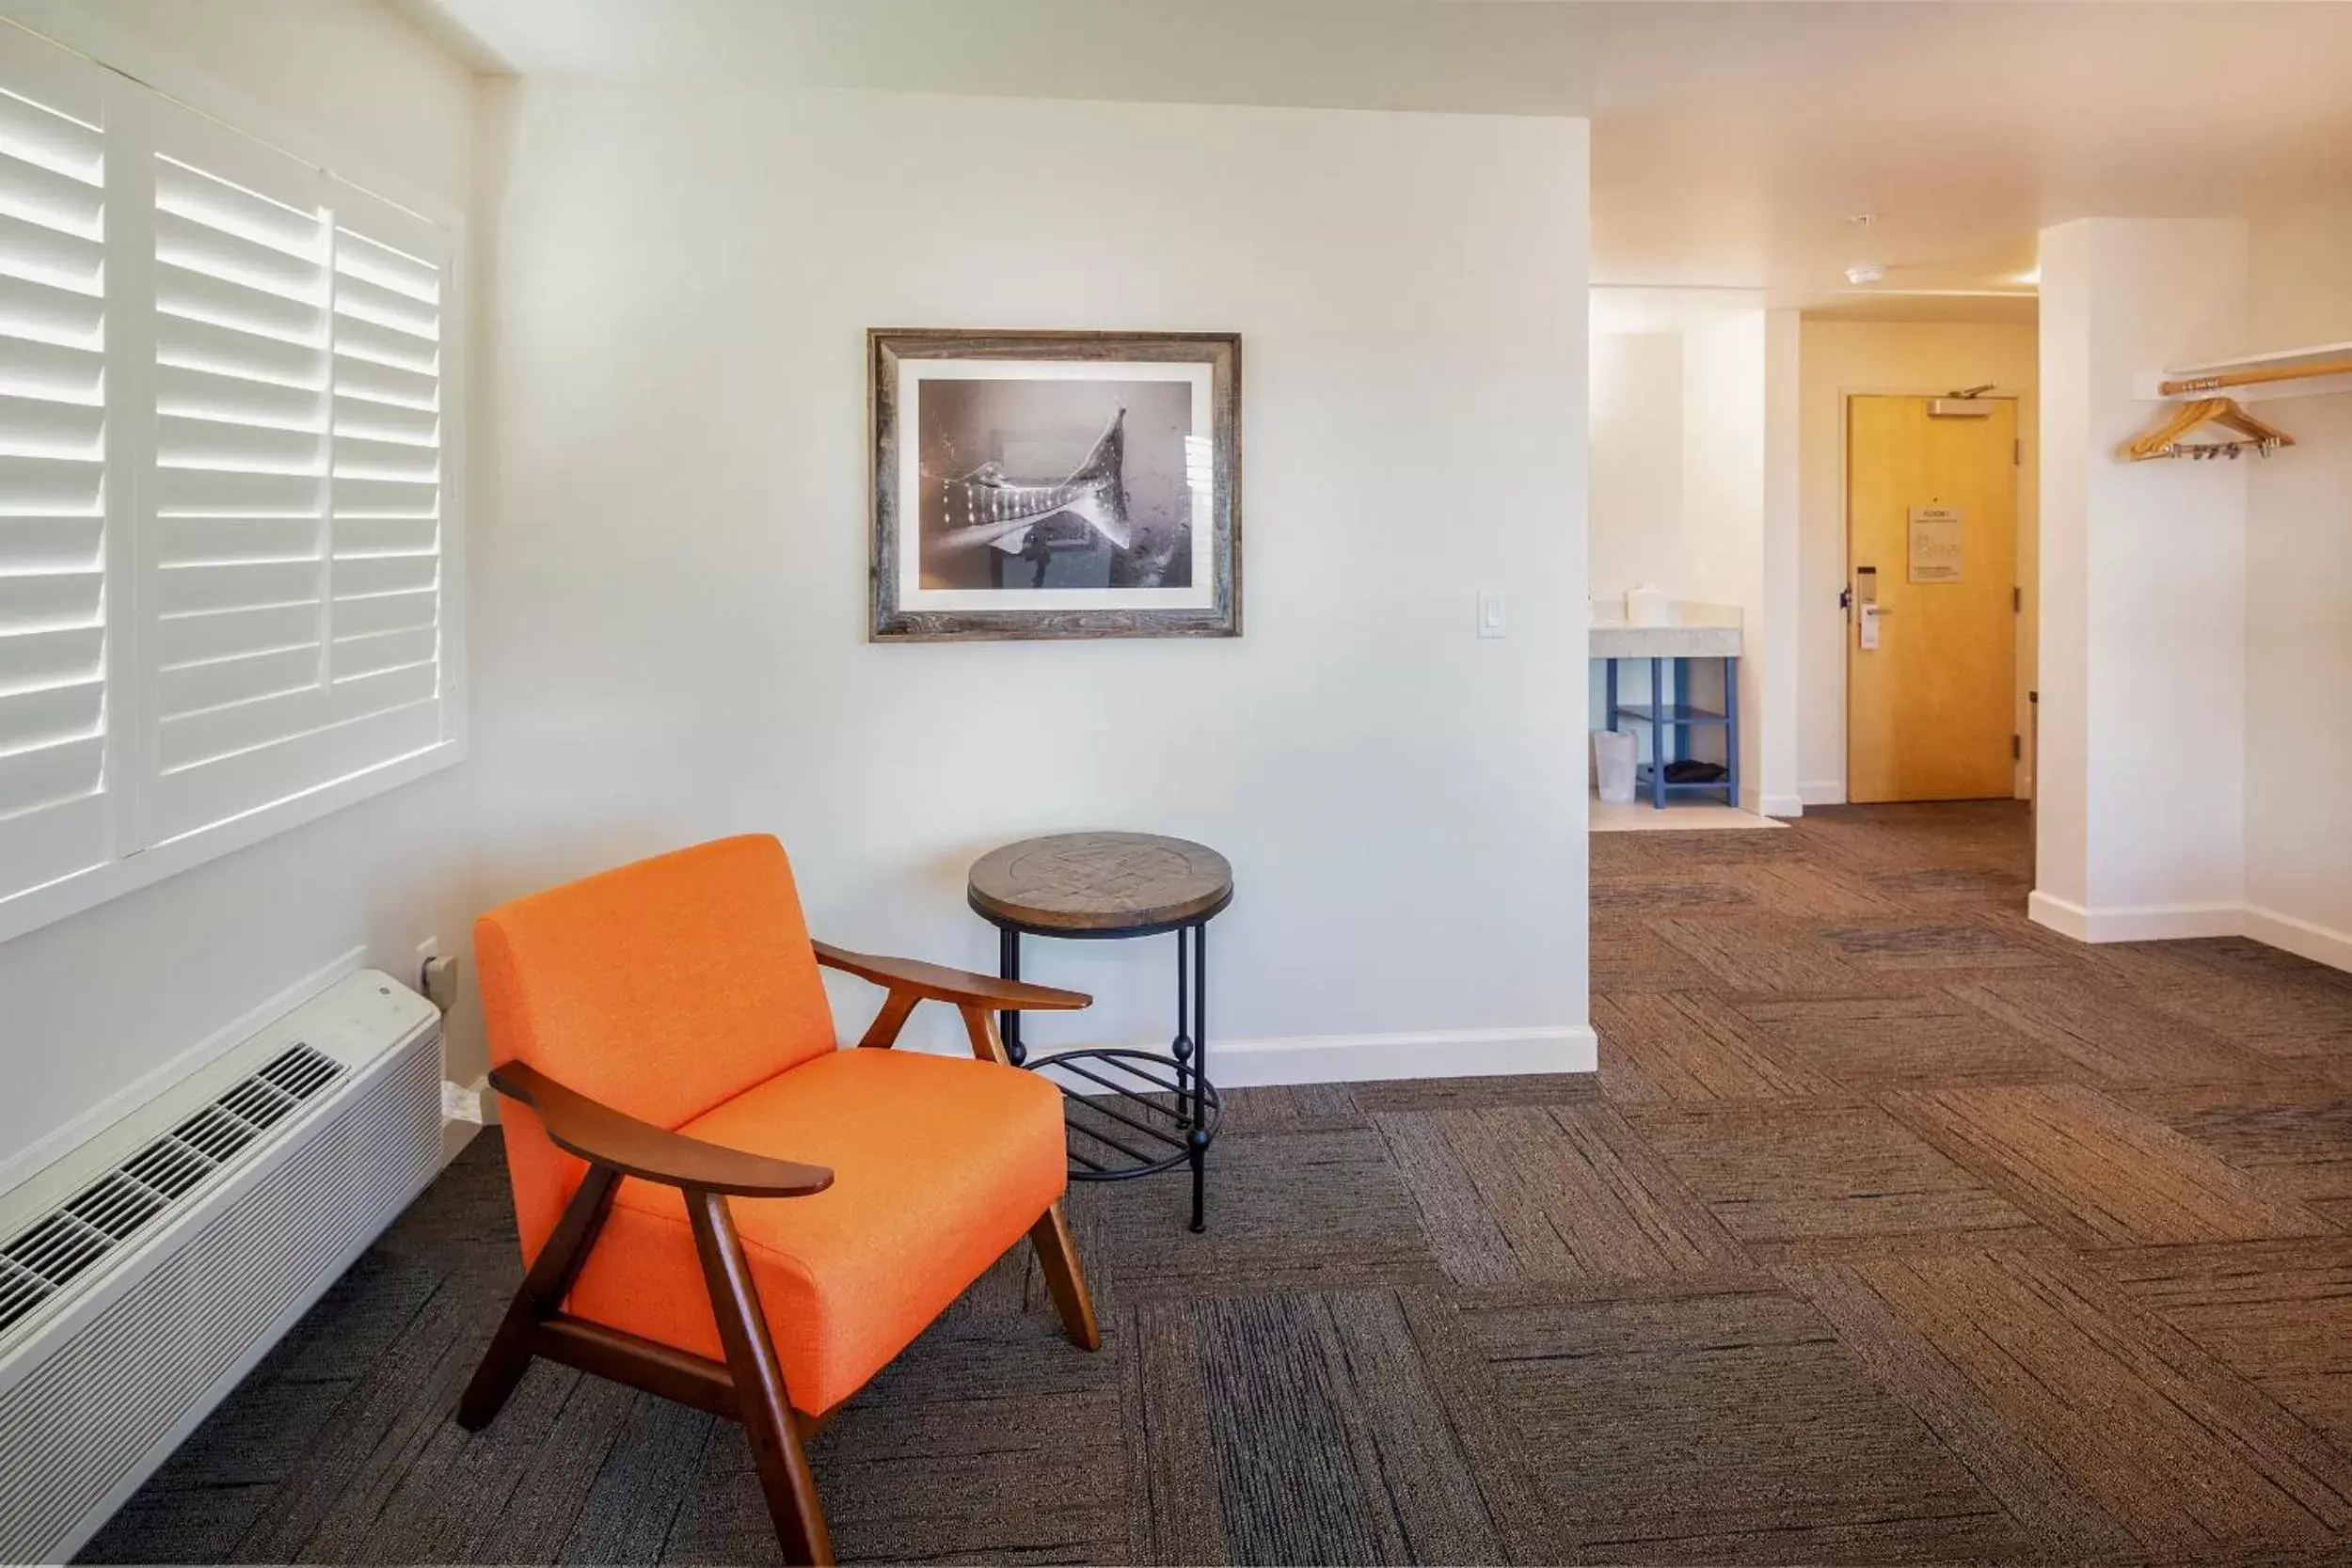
x=663 y=988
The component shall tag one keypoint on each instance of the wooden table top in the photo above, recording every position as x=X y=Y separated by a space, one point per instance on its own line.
x=1100 y=882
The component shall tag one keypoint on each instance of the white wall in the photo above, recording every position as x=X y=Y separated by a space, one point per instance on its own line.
x=670 y=619
x=1722 y=488
x=1779 y=675
x=1637 y=504
x=92 y=1006
x=1637 y=464
x=1839 y=357
x=2143 y=583
x=2299 y=629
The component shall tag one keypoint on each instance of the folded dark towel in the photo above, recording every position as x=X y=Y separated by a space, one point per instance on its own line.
x=1689 y=771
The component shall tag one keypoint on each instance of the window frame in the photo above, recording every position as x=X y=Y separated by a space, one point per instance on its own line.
x=137 y=68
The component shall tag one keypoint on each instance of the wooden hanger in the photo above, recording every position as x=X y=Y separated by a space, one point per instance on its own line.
x=2164 y=440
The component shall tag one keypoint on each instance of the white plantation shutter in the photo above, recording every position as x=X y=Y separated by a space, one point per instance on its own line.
x=240 y=487
x=55 y=816
x=386 y=568
x=221 y=479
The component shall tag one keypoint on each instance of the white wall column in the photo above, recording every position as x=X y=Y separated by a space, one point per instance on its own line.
x=1772 y=642
x=2143 y=591
x=1723 y=500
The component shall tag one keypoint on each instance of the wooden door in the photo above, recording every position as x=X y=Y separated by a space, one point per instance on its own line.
x=1931 y=519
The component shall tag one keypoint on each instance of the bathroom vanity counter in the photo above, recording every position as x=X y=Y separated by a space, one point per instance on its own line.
x=1617 y=641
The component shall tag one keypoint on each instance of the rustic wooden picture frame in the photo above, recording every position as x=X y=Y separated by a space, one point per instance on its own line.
x=891 y=622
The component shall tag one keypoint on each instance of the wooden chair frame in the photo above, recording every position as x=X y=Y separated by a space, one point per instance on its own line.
x=748 y=1385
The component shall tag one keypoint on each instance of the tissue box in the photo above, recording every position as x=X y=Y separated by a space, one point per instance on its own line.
x=1648 y=607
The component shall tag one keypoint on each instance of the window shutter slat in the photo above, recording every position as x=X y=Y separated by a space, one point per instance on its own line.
x=54 y=819
x=49 y=774
x=387 y=650
x=366 y=536
x=216 y=683
x=230 y=634
x=382 y=613
x=74 y=262
x=238 y=585
x=29 y=545
x=53 y=843
x=206 y=541
x=51 y=715
x=49 y=655
x=182 y=341
x=52 y=484
x=35 y=369
x=37 y=194
x=227 y=787
x=205 y=296
x=48 y=426
x=221 y=441
x=53 y=601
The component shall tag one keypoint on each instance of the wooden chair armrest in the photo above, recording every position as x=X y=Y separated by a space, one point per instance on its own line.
x=604 y=1137
x=937 y=983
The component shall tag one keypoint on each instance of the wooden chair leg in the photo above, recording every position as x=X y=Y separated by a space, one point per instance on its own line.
x=544 y=1289
x=1058 y=1256
x=767 y=1418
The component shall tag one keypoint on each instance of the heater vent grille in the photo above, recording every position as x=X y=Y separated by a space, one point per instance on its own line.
x=62 y=1244
x=134 y=1376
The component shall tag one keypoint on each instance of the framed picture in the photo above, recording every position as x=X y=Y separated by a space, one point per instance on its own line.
x=1056 y=484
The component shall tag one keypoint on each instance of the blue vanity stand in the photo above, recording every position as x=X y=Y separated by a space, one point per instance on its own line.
x=1669 y=651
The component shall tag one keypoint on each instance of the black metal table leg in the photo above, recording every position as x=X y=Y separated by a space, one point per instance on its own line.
x=1008 y=966
x=1198 y=1139
x=1180 y=1046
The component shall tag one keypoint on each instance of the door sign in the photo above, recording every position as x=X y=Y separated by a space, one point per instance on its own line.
x=1935 y=551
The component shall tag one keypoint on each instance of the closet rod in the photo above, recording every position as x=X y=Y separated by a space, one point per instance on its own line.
x=2254 y=378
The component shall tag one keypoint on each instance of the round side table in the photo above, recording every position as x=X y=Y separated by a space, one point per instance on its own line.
x=1099 y=886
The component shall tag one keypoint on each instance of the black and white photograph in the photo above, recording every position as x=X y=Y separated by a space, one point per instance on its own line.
x=1051 y=485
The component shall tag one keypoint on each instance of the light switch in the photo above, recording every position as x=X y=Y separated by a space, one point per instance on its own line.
x=1490 y=615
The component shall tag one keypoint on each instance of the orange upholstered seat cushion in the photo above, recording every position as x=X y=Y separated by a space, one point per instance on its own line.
x=940 y=1164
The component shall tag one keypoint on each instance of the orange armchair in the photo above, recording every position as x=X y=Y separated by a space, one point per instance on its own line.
x=720 y=1206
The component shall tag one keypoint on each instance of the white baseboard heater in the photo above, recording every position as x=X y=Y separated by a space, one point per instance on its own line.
x=145 y=1273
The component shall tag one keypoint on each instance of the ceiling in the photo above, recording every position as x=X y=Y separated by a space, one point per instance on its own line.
x=1732 y=142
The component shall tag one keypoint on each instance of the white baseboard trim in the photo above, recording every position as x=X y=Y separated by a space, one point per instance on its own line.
x=41 y=1152
x=1773 y=805
x=1823 y=792
x=2134 y=922
x=2300 y=937
x=2173 y=922
x=2067 y=919
x=1250 y=1064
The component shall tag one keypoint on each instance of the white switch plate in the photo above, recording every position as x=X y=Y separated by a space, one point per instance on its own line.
x=1490 y=623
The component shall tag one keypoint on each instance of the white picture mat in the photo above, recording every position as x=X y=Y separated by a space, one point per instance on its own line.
x=913 y=596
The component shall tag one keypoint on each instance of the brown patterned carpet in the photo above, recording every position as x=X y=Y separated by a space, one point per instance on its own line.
x=1894 y=1229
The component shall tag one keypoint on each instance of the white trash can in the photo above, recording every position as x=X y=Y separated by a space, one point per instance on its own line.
x=1612 y=755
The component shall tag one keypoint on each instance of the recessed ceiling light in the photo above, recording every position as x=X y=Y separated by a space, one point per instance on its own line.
x=1865 y=272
